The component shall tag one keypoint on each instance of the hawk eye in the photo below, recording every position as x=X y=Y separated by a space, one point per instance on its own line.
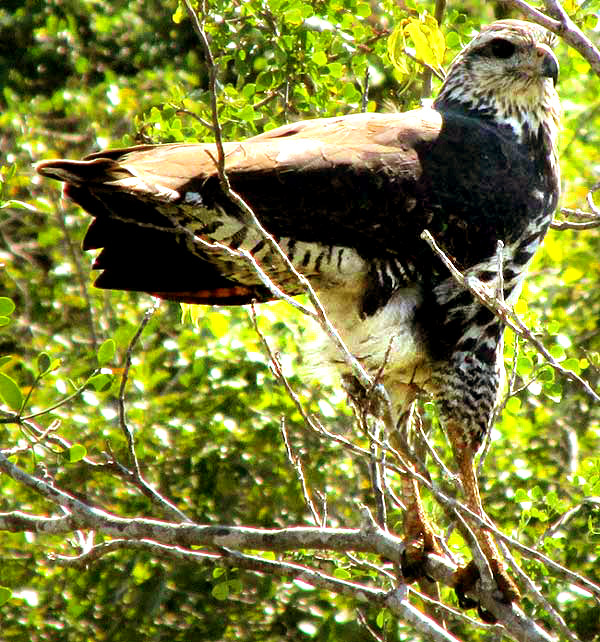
x=501 y=48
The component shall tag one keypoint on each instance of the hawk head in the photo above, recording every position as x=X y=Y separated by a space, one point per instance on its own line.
x=507 y=73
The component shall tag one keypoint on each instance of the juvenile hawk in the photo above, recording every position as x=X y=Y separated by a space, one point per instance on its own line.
x=347 y=198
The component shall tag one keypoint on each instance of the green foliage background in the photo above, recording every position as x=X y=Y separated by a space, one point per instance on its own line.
x=78 y=75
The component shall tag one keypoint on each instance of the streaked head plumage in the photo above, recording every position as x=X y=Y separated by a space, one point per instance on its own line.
x=508 y=73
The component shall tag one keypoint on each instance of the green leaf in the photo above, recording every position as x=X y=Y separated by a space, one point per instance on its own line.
x=545 y=374
x=537 y=493
x=320 y=58
x=524 y=365
x=382 y=617
x=521 y=496
x=513 y=405
x=264 y=80
x=5 y=594
x=572 y=364
x=247 y=114
x=335 y=69
x=106 y=352
x=293 y=16
x=342 y=574
x=4 y=321
x=10 y=392
x=7 y=306
x=101 y=382
x=363 y=9
x=76 y=453
x=221 y=591
x=43 y=363
x=453 y=40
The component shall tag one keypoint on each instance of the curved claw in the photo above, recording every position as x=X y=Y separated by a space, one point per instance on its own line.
x=465 y=581
x=486 y=616
x=466 y=577
x=412 y=560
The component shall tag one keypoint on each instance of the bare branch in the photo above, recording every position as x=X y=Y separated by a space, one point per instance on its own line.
x=136 y=474
x=251 y=218
x=539 y=599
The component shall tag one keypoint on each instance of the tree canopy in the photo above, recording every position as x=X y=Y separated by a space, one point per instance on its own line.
x=156 y=459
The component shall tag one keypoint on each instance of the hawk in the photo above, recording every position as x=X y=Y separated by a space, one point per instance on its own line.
x=348 y=198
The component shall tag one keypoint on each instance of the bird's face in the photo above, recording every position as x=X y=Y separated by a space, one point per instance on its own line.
x=508 y=72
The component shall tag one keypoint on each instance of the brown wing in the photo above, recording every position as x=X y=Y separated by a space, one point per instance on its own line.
x=318 y=186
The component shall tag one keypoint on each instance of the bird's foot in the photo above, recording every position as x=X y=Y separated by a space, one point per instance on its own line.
x=414 y=556
x=412 y=560
x=465 y=580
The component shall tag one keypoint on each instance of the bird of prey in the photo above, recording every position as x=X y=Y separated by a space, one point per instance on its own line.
x=348 y=198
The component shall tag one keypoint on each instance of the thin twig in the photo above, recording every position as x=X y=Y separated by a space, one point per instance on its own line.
x=124 y=378
x=251 y=219
x=136 y=474
x=296 y=463
x=539 y=599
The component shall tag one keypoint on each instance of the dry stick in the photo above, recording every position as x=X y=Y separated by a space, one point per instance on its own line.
x=156 y=498
x=481 y=561
x=455 y=613
x=251 y=218
x=395 y=600
x=363 y=622
x=44 y=436
x=519 y=627
x=296 y=463
x=590 y=219
x=567 y=225
x=483 y=294
x=537 y=596
x=371 y=539
x=590 y=199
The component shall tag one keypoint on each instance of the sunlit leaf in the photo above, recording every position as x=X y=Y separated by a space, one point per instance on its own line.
x=106 y=352
x=7 y=306
x=10 y=392
x=76 y=453
x=5 y=595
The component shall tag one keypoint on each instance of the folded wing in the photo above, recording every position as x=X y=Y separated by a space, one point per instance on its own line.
x=329 y=190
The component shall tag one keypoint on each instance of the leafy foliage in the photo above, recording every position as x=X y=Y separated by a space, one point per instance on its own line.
x=200 y=399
